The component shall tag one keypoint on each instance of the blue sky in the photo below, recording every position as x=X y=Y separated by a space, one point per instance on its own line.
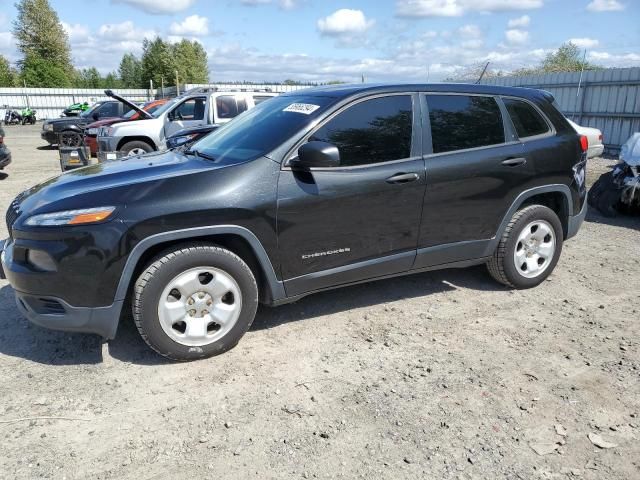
x=320 y=40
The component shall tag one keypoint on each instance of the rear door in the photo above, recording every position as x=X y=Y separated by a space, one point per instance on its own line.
x=359 y=220
x=475 y=169
x=228 y=107
x=188 y=113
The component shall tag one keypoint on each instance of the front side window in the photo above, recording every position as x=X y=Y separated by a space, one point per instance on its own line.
x=373 y=131
x=109 y=109
x=460 y=122
x=192 y=109
x=525 y=118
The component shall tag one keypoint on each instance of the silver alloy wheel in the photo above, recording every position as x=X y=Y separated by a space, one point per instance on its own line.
x=535 y=248
x=136 y=151
x=200 y=306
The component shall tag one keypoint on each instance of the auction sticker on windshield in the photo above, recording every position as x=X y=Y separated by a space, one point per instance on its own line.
x=305 y=108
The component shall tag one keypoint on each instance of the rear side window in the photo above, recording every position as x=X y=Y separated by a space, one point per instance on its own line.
x=459 y=122
x=525 y=118
x=228 y=107
x=373 y=131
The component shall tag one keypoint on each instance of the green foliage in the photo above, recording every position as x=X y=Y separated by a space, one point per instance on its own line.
x=40 y=72
x=8 y=76
x=191 y=62
x=112 y=80
x=567 y=58
x=89 y=78
x=161 y=60
x=130 y=72
x=43 y=43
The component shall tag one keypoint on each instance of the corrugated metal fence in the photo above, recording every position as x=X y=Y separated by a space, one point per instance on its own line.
x=607 y=99
x=50 y=102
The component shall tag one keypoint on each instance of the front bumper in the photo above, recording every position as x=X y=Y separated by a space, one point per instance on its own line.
x=575 y=221
x=56 y=314
x=92 y=142
x=49 y=136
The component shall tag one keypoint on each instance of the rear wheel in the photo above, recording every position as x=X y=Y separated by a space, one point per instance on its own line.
x=195 y=302
x=135 y=147
x=529 y=248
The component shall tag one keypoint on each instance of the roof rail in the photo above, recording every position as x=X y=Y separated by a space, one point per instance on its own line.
x=197 y=90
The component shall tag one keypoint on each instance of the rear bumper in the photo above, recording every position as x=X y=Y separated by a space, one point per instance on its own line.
x=575 y=221
x=595 y=151
x=56 y=314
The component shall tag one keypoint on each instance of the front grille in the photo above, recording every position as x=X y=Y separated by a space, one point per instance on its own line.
x=12 y=215
x=50 y=307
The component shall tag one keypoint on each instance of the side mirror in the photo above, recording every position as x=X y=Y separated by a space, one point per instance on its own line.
x=317 y=154
x=175 y=142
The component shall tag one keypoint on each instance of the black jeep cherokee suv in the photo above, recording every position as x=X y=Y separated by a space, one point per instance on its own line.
x=308 y=191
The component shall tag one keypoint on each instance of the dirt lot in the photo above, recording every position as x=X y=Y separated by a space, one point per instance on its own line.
x=438 y=375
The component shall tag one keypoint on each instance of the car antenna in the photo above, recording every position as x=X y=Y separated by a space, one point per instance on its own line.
x=483 y=72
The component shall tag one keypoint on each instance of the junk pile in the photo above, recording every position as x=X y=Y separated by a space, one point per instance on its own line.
x=618 y=191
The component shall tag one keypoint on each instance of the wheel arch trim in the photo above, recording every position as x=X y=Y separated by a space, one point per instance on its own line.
x=276 y=287
x=519 y=201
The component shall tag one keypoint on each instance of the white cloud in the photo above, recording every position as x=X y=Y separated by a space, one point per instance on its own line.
x=516 y=37
x=607 y=59
x=6 y=41
x=470 y=31
x=520 y=22
x=124 y=31
x=456 y=8
x=605 y=6
x=585 y=42
x=194 y=25
x=159 y=7
x=344 y=22
x=283 y=4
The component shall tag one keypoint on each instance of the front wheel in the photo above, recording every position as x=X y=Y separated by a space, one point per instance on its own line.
x=529 y=248
x=135 y=147
x=195 y=302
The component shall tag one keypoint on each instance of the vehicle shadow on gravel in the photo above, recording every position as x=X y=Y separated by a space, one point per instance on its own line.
x=621 y=220
x=18 y=338
x=3 y=175
x=377 y=293
x=47 y=147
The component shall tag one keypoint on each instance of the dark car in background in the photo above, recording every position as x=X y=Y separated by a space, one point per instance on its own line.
x=313 y=190
x=5 y=153
x=67 y=131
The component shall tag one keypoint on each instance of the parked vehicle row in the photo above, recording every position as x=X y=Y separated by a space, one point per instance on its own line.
x=309 y=191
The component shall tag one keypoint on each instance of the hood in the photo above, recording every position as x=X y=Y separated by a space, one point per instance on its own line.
x=121 y=178
x=141 y=112
x=105 y=122
x=68 y=121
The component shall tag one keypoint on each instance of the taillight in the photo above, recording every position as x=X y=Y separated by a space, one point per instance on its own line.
x=584 y=143
x=600 y=137
x=1 y=139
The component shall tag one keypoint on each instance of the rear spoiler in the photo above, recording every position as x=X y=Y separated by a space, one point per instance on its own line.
x=110 y=93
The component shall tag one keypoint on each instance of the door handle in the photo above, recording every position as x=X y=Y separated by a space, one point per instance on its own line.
x=514 y=162
x=403 y=178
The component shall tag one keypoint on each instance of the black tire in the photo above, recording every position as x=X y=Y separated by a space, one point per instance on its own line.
x=168 y=265
x=502 y=266
x=70 y=138
x=129 y=147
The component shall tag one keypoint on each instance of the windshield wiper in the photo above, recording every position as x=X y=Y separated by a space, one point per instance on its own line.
x=199 y=154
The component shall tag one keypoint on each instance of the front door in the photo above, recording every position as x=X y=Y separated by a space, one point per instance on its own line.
x=189 y=113
x=359 y=220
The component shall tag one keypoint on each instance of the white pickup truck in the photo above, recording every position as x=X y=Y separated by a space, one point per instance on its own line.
x=200 y=106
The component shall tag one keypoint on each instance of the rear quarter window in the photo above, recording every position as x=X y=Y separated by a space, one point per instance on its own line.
x=461 y=122
x=526 y=119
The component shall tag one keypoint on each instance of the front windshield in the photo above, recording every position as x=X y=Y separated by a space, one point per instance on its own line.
x=258 y=131
x=88 y=113
x=166 y=107
x=149 y=107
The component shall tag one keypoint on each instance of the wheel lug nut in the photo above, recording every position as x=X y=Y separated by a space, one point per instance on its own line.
x=205 y=313
x=190 y=302
x=201 y=295
x=192 y=313
x=209 y=303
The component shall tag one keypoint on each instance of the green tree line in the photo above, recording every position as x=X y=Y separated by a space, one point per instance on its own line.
x=46 y=57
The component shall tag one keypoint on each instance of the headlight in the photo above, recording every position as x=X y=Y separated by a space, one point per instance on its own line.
x=71 y=217
x=47 y=127
x=92 y=131
x=105 y=132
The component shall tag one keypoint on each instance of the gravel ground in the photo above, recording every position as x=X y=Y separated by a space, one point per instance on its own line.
x=438 y=375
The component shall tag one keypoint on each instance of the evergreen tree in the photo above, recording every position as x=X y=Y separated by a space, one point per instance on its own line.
x=89 y=78
x=8 y=76
x=157 y=63
x=43 y=42
x=130 y=71
x=191 y=62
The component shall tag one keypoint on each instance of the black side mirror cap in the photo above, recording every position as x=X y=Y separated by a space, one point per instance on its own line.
x=317 y=155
